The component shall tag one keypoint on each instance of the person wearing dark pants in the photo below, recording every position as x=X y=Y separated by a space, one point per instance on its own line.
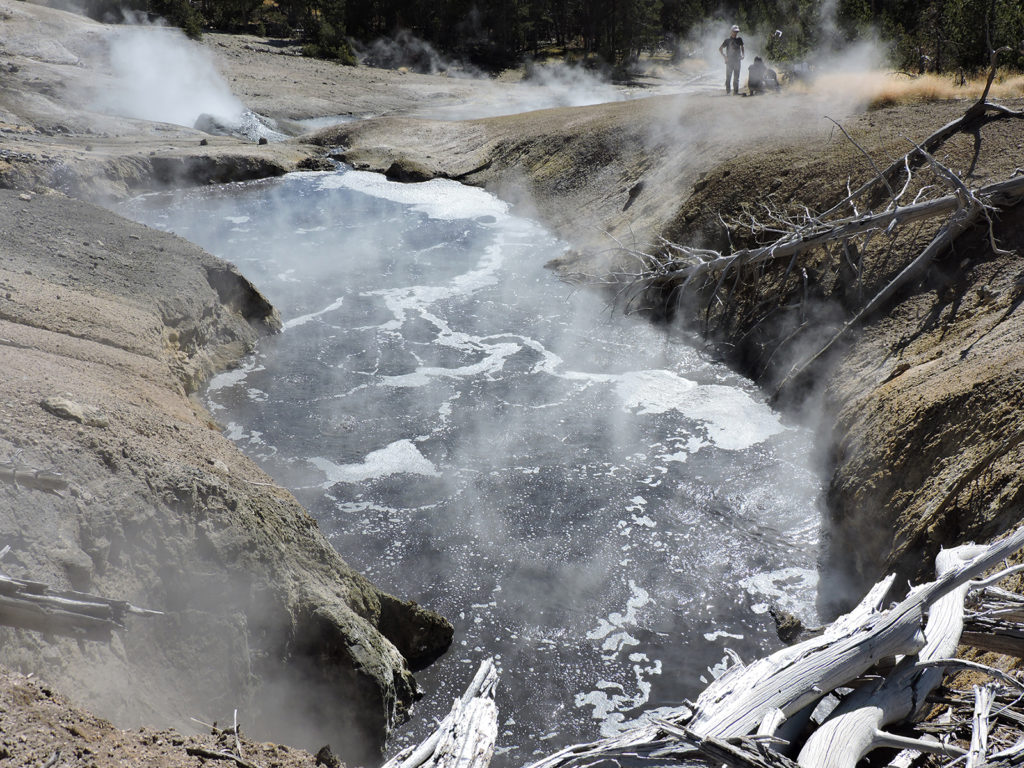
x=732 y=51
x=761 y=77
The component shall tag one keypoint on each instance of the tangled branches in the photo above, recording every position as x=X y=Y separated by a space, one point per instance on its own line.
x=863 y=684
x=916 y=204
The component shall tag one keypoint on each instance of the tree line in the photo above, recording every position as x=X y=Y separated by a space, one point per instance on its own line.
x=936 y=35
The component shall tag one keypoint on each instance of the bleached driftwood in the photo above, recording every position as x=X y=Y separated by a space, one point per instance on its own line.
x=996 y=622
x=739 y=718
x=983 y=695
x=465 y=737
x=856 y=726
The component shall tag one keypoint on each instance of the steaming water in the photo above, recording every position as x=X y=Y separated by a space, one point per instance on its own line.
x=588 y=499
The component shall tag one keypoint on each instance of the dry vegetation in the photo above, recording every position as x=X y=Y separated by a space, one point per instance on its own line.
x=885 y=89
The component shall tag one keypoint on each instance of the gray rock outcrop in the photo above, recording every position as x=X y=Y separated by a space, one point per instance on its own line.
x=106 y=329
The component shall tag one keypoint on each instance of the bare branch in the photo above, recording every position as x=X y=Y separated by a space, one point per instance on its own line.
x=878 y=173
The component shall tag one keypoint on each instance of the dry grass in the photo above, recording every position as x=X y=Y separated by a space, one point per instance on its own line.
x=884 y=89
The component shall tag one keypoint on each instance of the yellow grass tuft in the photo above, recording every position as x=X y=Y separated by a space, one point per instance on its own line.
x=882 y=89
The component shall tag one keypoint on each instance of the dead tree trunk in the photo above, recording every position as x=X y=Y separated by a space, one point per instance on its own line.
x=855 y=727
x=741 y=712
x=35 y=606
x=681 y=275
x=465 y=738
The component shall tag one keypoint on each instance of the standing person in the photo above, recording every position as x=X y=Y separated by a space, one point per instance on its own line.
x=732 y=51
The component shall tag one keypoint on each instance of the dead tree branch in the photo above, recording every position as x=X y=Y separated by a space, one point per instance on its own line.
x=39 y=479
x=683 y=274
x=737 y=717
x=970 y=207
x=214 y=754
x=465 y=737
x=34 y=605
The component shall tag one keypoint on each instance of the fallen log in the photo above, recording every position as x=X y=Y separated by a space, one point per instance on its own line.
x=465 y=737
x=741 y=714
x=856 y=726
x=38 y=479
x=690 y=265
x=969 y=209
x=35 y=606
x=679 y=274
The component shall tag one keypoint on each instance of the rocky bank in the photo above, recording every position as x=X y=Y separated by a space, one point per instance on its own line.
x=107 y=329
x=922 y=411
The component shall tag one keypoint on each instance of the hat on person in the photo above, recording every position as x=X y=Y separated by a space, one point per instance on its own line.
x=735 y=28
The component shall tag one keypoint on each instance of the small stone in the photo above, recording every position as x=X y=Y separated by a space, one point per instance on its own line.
x=25 y=196
x=787 y=626
x=326 y=757
x=65 y=408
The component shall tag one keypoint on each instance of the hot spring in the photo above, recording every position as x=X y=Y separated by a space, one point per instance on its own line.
x=591 y=500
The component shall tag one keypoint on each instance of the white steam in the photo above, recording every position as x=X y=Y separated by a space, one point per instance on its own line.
x=406 y=51
x=565 y=85
x=830 y=52
x=160 y=75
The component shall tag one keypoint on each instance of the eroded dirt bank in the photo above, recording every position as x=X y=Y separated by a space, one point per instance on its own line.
x=107 y=328
x=921 y=408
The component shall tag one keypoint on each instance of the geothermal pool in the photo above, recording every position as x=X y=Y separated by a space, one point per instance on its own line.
x=589 y=499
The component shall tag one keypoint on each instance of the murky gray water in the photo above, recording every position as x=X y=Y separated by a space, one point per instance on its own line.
x=589 y=500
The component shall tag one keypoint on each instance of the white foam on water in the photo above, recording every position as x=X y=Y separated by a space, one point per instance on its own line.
x=492 y=364
x=232 y=377
x=720 y=633
x=610 y=699
x=234 y=431
x=442 y=199
x=734 y=420
x=400 y=457
x=237 y=433
x=303 y=319
x=791 y=589
x=416 y=299
x=691 y=446
x=613 y=630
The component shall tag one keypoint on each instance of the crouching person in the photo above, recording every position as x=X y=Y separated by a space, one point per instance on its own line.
x=761 y=77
